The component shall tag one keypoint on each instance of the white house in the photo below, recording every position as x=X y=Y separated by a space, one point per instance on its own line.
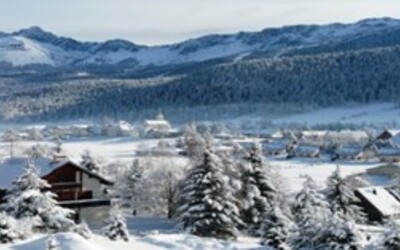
x=157 y=127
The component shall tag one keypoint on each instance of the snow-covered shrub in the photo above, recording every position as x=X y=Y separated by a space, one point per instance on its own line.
x=116 y=228
x=9 y=231
x=83 y=230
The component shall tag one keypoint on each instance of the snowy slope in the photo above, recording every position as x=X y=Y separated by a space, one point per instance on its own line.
x=21 y=51
x=69 y=241
x=33 y=45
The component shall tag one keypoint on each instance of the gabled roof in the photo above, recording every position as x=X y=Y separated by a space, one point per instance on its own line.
x=381 y=199
x=83 y=169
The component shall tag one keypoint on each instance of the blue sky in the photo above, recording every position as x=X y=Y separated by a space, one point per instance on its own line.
x=166 y=21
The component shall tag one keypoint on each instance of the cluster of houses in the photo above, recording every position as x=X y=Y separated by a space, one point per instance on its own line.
x=385 y=147
x=158 y=127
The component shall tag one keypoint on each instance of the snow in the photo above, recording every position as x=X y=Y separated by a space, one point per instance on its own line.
x=155 y=241
x=381 y=199
x=378 y=114
x=319 y=170
x=21 y=51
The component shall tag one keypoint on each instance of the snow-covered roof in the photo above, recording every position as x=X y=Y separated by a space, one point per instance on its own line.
x=389 y=151
x=77 y=165
x=381 y=199
x=306 y=148
x=157 y=123
x=11 y=168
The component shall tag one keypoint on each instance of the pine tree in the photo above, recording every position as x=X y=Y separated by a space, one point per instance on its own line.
x=337 y=233
x=310 y=212
x=208 y=207
x=258 y=193
x=391 y=237
x=8 y=229
x=89 y=162
x=28 y=198
x=116 y=229
x=52 y=243
x=342 y=199
x=276 y=229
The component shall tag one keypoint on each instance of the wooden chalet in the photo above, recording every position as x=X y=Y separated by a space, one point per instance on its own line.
x=80 y=189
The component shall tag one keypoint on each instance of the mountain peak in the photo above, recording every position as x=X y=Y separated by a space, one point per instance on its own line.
x=36 y=33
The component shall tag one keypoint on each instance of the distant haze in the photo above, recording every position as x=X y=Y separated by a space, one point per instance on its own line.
x=161 y=21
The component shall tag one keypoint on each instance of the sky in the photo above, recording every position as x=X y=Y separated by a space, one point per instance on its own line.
x=154 y=22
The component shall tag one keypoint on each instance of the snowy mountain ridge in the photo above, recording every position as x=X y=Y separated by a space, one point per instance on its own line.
x=36 y=46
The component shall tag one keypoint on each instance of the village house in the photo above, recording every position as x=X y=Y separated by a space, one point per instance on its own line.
x=157 y=127
x=304 y=151
x=379 y=203
x=76 y=187
x=390 y=155
x=80 y=189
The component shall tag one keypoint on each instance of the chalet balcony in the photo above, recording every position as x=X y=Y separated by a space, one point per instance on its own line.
x=71 y=195
x=65 y=186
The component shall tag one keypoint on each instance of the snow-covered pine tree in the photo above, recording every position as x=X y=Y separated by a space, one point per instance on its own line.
x=310 y=211
x=116 y=228
x=208 y=206
x=52 y=243
x=391 y=237
x=341 y=197
x=89 y=162
x=337 y=233
x=276 y=229
x=8 y=229
x=28 y=198
x=258 y=193
x=193 y=142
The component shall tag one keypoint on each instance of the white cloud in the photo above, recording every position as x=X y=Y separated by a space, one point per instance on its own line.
x=164 y=21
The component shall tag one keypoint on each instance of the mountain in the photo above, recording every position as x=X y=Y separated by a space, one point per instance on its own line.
x=270 y=72
x=36 y=46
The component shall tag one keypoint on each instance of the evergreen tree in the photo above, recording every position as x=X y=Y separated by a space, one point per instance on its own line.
x=310 y=212
x=337 y=233
x=258 y=193
x=391 y=237
x=342 y=199
x=28 y=198
x=276 y=229
x=8 y=229
x=89 y=162
x=208 y=206
x=116 y=229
